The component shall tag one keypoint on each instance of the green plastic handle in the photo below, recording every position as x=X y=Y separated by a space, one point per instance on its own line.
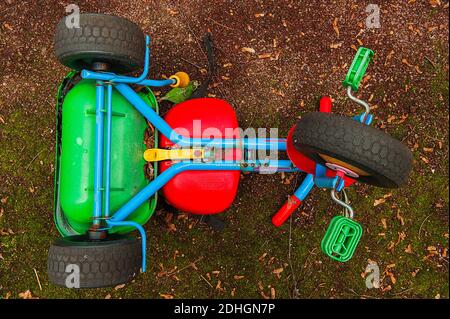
x=358 y=68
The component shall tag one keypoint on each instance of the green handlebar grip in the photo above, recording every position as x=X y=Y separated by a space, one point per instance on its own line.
x=358 y=68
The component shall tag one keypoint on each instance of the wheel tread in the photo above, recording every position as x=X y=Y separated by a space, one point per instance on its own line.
x=365 y=146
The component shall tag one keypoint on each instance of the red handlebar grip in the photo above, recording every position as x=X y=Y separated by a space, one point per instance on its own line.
x=326 y=104
x=288 y=208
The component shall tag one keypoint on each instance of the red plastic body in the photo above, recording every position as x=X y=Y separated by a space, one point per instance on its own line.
x=202 y=192
x=286 y=210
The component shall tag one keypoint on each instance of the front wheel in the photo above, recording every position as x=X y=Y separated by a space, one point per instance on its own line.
x=76 y=262
x=364 y=152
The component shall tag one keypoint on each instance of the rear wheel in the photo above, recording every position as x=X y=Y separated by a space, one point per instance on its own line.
x=102 y=42
x=370 y=155
x=104 y=263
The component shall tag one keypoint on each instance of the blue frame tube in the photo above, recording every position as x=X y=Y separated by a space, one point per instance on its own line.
x=107 y=76
x=177 y=168
x=274 y=165
x=98 y=168
x=143 y=238
x=305 y=187
x=163 y=178
x=265 y=143
x=183 y=141
x=108 y=150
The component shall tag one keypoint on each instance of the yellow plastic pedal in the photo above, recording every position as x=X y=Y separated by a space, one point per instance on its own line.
x=157 y=154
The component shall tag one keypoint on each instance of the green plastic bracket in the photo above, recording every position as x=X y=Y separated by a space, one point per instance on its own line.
x=358 y=68
x=341 y=239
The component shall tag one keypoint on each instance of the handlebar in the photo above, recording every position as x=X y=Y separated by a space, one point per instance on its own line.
x=286 y=210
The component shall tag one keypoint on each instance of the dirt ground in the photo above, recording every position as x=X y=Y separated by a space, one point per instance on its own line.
x=302 y=50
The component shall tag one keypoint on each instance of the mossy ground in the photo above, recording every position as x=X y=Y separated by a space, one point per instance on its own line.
x=407 y=235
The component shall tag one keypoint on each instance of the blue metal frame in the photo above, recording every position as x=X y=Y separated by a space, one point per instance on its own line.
x=98 y=178
x=120 y=83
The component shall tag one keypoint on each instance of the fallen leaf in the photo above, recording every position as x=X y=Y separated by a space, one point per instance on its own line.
x=166 y=296
x=391 y=118
x=405 y=61
x=401 y=237
x=276 y=56
x=277 y=272
x=264 y=56
x=8 y=26
x=287 y=180
x=119 y=287
x=424 y=159
x=400 y=218
x=382 y=200
x=248 y=50
x=272 y=293
x=393 y=279
x=434 y=3
x=26 y=295
x=336 y=45
x=238 y=277
x=171 y=227
x=264 y=295
x=335 y=26
x=172 y=12
x=278 y=92
x=387 y=288
x=408 y=249
x=260 y=285
x=379 y=201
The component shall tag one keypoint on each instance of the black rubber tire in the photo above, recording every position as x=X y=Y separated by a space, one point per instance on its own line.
x=105 y=263
x=100 y=38
x=386 y=159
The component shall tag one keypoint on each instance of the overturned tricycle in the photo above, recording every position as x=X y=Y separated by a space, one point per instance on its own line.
x=115 y=152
